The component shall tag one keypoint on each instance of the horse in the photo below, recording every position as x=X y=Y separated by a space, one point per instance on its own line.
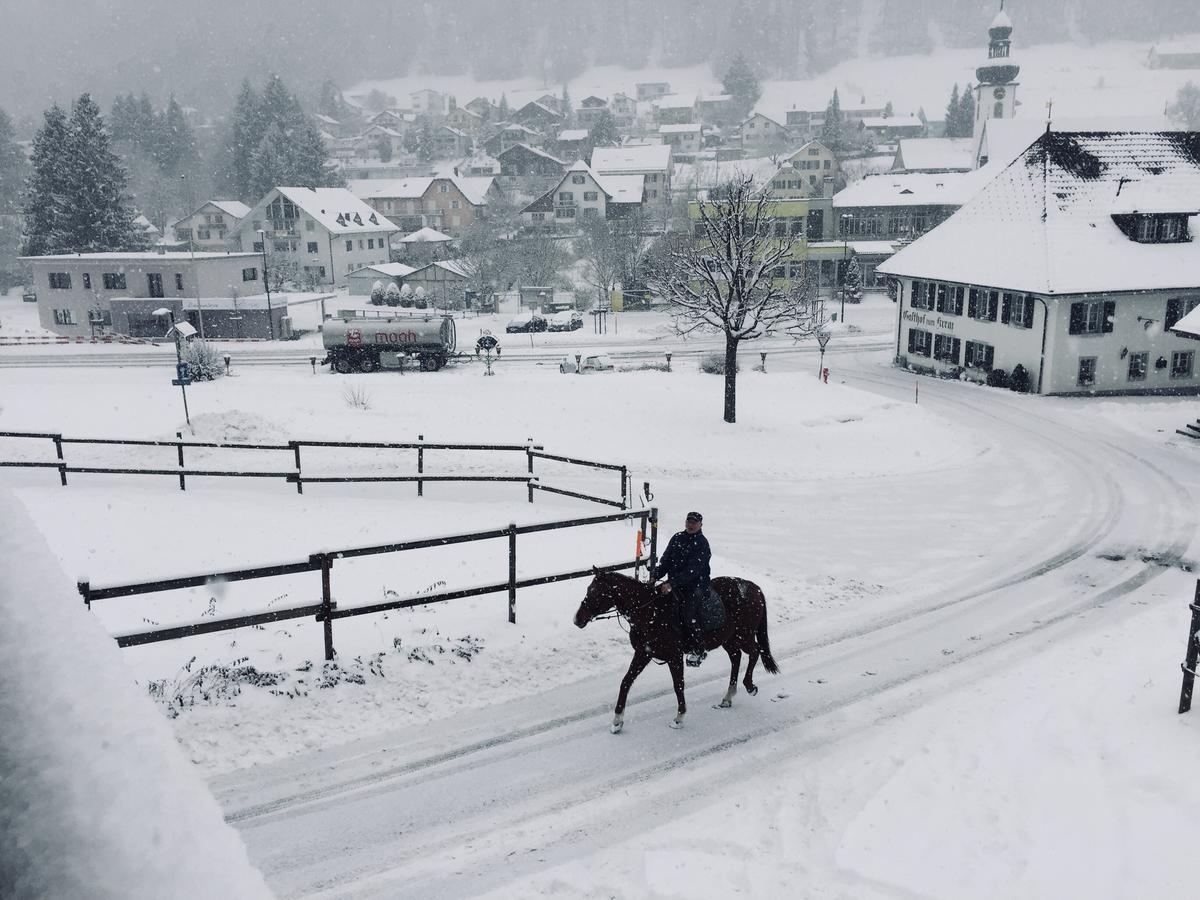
x=655 y=634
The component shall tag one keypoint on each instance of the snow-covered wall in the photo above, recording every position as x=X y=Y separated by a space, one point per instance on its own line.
x=96 y=798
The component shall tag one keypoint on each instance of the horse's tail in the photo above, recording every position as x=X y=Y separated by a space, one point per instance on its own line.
x=764 y=644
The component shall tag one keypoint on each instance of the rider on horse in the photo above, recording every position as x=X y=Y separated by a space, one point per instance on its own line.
x=685 y=565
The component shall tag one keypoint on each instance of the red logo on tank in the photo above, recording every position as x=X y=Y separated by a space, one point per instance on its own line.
x=354 y=337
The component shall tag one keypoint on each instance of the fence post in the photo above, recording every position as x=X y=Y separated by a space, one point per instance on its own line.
x=529 y=457
x=512 y=573
x=420 y=466
x=85 y=591
x=62 y=468
x=179 y=448
x=641 y=538
x=295 y=445
x=624 y=487
x=327 y=603
x=1193 y=653
x=653 y=539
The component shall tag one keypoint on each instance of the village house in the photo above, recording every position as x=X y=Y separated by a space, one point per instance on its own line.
x=1073 y=263
x=430 y=102
x=450 y=143
x=886 y=129
x=624 y=109
x=539 y=116
x=652 y=90
x=652 y=162
x=211 y=226
x=322 y=233
x=572 y=143
x=810 y=171
x=509 y=134
x=449 y=204
x=762 y=134
x=465 y=120
x=583 y=194
x=589 y=110
x=716 y=109
x=685 y=140
x=529 y=171
x=675 y=109
x=482 y=107
x=937 y=156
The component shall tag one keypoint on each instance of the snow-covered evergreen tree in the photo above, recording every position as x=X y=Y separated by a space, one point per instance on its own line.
x=604 y=132
x=741 y=83
x=953 y=114
x=853 y=283
x=833 y=132
x=966 y=112
x=45 y=191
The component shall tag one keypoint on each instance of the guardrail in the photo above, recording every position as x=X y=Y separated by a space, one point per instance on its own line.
x=326 y=610
x=294 y=474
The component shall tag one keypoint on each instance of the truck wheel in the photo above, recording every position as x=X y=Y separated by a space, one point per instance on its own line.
x=429 y=364
x=367 y=363
x=343 y=366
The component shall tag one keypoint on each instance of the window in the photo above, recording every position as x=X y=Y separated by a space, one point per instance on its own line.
x=370 y=243
x=249 y=274
x=312 y=247
x=60 y=281
x=577 y=179
x=979 y=355
x=922 y=295
x=565 y=212
x=780 y=228
x=310 y=225
x=946 y=348
x=983 y=304
x=920 y=343
x=652 y=195
x=1181 y=364
x=114 y=281
x=87 y=280
x=443 y=188
x=591 y=195
x=816 y=223
x=1159 y=229
x=998 y=110
x=1087 y=371
x=1177 y=308
x=184 y=234
x=64 y=317
x=179 y=281
x=795 y=270
x=797 y=227
x=1138 y=363
x=1017 y=310
x=349 y=246
x=566 y=197
x=538 y=216
x=454 y=204
x=282 y=246
x=258 y=246
x=590 y=212
x=1092 y=317
x=653 y=178
x=814 y=151
x=949 y=298
x=203 y=234
x=827 y=164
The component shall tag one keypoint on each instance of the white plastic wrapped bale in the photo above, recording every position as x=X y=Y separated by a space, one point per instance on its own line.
x=96 y=798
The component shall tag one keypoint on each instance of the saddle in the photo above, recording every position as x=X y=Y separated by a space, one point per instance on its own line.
x=708 y=610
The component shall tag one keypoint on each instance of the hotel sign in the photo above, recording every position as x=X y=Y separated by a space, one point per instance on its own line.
x=928 y=320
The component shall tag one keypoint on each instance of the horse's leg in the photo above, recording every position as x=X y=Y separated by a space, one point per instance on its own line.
x=735 y=664
x=640 y=660
x=750 y=664
x=675 y=664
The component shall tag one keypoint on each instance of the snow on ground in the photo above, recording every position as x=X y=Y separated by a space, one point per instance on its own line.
x=19 y=319
x=792 y=431
x=96 y=799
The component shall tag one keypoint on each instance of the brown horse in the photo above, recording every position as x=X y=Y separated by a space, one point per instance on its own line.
x=654 y=633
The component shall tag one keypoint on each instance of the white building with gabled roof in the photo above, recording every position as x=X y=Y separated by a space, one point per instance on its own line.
x=323 y=233
x=211 y=225
x=1074 y=263
x=584 y=194
x=653 y=162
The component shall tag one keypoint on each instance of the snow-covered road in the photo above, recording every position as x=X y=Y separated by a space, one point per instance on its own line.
x=1048 y=531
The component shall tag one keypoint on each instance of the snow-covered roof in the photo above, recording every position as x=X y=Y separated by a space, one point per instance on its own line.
x=454 y=266
x=1189 y=324
x=328 y=120
x=536 y=151
x=1150 y=196
x=474 y=187
x=391 y=270
x=622 y=188
x=679 y=129
x=1003 y=140
x=714 y=98
x=1002 y=20
x=390 y=188
x=147 y=256
x=337 y=210
x=910 y=189
x=628 y=160
x=708 y=173
x=863 y=248
x=892 y=122
x=1045 y=223
x=935 y=154
x=426 y=235
x=573 y=134
x=676 y=101
x=235 y=208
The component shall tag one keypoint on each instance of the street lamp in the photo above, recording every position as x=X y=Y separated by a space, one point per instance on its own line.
x=262 y=234
x=845 y=252
x=195 y=277
x=182 y=330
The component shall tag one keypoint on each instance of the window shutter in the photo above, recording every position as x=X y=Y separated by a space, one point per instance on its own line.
x=1110 y=310
x=993 y=300
x=1005 y=309
x=912 y=340
x=955 y=350
x=1076 y=326
x=1029 y=304
x=973 y=303
x=1174 y=311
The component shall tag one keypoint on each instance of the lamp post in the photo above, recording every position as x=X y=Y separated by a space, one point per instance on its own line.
x=195 y=277
x=262 y=233
x=181 y=375
x=845 y=252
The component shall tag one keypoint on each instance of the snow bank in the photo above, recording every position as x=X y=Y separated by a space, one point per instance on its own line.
x=96 y=799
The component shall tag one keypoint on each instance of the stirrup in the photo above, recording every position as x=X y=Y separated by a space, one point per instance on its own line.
x=694 y=659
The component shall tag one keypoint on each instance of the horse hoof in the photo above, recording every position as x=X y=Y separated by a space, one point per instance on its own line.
x=675 y=723
x=724 y=704
x=617 y=725
x=751 y=690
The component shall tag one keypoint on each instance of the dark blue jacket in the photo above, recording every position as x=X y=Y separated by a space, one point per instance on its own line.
x=685 y=562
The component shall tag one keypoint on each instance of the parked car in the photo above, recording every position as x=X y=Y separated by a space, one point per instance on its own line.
x=565 y=321
x=597 y=363
x=522 y=324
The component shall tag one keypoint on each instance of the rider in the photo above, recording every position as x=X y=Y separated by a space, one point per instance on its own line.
x=685 y=565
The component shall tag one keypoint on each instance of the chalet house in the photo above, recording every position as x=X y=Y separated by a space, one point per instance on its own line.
x=393 y=119
x=892 y=128
x=479 y=165
x=538 y=116
x=624 y=109
x=482 y=107
x=675 y=109
x=529 y=171
x=573 y=143
x=582 y=194
x=809 y=172
x=590 y=109
x=716 y=109
x=449 y=204
x=895 y=206
x=370 y=144
x=465 y=120
x=324 y=233
x=1074 y=262
x=450 y=143
x=685 y=140
x=652 y=162
x=509 y=134
x=761 y=133
x=211 y=226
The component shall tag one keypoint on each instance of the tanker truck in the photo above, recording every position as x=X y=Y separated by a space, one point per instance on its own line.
x=358 y=343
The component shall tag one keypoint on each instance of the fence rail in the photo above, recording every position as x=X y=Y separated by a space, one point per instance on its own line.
x=294 y=474
x=327 y=611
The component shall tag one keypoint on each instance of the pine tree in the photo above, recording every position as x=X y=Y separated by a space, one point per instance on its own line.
x=604 y=132
x=95 y=214
x=246 y=132
x=966 y=112
x=45 y=189
x=332 y=103
x=888 y=110
x=742 y=84
x=853 y=283
x=1185 y=110
x=953 y=114
x=12 y=176
x=503 y=107
x=567 y=111
x=175 y=147
x=280 y=106
x=425 y=148
x=833 y=132
x=309 y=159
x=269 y=164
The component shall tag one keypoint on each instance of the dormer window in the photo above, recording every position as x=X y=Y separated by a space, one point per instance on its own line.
x=1154 y=228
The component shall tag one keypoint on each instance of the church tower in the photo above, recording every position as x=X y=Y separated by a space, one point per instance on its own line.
x=996 y=87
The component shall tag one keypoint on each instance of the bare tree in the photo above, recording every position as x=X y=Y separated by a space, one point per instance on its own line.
x=613 y=251
x=728 y=278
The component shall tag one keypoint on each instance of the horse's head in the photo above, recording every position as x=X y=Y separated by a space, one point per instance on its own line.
x=601 y=596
